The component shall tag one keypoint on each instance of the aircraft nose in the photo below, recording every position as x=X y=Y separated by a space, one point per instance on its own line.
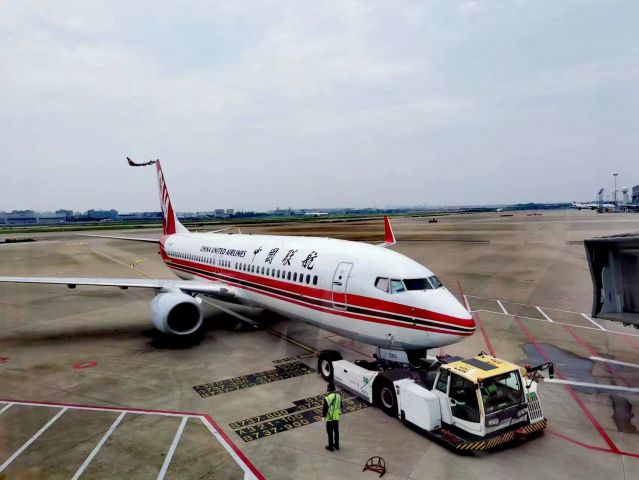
x=446 y=304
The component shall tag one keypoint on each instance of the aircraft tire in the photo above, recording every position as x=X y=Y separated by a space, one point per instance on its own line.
x=325 y=363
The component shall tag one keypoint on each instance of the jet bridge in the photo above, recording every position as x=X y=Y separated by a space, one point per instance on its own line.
x=614 y=267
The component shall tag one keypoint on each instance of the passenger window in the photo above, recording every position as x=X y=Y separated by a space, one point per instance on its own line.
x=301 y=278
x=268 y=271
x=295 y=276
x=262 y=270
x=314 y=279
x=397 y=286
x=382 y=284
x=277 y=274
x=442 y=383
x=308 y=278
x=288 y=276
x=464 y=394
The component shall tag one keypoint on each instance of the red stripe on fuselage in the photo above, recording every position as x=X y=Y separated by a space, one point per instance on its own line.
x=331 y=311
x=326 y=295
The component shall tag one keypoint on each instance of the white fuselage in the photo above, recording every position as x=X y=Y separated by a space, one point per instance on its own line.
x=325 y=282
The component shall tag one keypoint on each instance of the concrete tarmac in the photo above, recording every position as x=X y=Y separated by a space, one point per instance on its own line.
x=74 y=361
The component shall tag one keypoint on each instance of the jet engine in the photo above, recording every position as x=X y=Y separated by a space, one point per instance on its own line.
x=176 y=313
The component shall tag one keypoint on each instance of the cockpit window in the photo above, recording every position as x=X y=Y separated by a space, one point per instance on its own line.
x=434 y=281
x=397 y=286
x=417 y=284
x=382 y=284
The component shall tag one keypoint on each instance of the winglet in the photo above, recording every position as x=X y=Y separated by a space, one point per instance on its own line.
x=133 y=164
x=389 y=236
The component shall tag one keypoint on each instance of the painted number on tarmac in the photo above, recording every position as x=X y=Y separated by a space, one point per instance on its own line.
x=280 y=372
x=305 y=412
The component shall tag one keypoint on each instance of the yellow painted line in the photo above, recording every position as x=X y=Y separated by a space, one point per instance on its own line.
x=108 y=257
x=290 y=340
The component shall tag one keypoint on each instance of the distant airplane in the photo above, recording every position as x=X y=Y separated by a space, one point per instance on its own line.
x=591 y=206
x=357 y=290
x=316 y=214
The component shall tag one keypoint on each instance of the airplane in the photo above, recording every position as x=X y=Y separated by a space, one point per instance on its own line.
x=361 y=291
x=591 y=206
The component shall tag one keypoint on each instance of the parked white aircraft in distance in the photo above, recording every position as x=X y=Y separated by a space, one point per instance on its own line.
x=591 y=206
x=361 y=291
x=316 y=214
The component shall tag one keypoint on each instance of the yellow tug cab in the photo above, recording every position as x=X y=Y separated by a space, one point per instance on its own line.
x=491 y=399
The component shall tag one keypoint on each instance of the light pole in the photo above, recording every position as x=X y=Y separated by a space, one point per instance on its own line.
x=615 y=191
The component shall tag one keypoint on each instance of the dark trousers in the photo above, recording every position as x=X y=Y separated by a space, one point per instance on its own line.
x=332 y=428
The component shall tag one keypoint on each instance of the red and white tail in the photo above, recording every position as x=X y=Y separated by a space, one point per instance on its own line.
x=170 y=222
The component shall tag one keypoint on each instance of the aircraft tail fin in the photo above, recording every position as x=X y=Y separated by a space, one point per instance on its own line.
x=170 y=222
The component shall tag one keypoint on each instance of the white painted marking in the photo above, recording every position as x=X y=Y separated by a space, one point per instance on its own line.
x=6 y=408
x=593 y=322
x=97 y=448
x=466 y=302
x=559 y=323
x=592 y=385
x=101 y=409
x=502 y=308
x=608 y=360
x=544 y=314
x=31 y=440
x=248 y=475
x=174 y=444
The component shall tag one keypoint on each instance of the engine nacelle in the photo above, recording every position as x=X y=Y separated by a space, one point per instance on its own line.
x=176 y=313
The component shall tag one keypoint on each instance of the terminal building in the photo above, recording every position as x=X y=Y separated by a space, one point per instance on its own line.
x=635 y=195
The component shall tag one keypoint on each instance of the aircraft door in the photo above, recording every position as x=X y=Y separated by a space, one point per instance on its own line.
x=441 y=390
x=340 y=284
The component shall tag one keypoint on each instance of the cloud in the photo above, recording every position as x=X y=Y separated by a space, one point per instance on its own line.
x=258 y=104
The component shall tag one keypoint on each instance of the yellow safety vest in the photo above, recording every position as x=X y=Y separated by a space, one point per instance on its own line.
x=334 y=401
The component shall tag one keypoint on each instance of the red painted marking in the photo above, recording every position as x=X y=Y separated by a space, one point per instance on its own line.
x=81 y=365
x=4 y=359
x=341 y=313
x=591 y=447
x=477 y=318
x=569 y=389
x=239 y=453
x=487 y=341
x=204 y=416
x=594 y=353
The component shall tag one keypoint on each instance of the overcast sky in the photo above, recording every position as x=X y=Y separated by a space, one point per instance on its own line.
x=253 y=105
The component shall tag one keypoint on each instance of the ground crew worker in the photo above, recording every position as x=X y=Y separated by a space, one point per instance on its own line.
x=332 y=410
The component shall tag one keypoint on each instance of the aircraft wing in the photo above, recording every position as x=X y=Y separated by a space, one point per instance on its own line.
x=216 y=289
x=133 y=239
x=138 y=239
